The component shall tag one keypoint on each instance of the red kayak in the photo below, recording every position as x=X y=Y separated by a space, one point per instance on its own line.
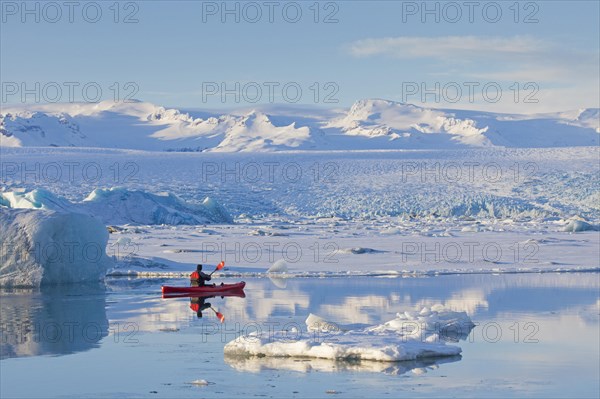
x=231 y=293
x=216 y=289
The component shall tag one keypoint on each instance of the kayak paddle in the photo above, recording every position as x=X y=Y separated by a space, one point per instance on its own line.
x=219 y=267
x=219 y=315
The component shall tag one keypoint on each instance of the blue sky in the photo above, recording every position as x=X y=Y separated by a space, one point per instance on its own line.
x=182 y=53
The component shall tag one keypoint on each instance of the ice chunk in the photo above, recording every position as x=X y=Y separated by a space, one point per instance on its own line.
x=408 y=337
x=258 y=364
x=435 y=322
x=575 y=226
x=217 y=212
x=278 y=267
x=359 y=251
x=35 y=199
x=47 y=247
x=391 y=231
x=316 y=323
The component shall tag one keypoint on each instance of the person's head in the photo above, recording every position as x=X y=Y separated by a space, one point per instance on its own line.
x=199 y=268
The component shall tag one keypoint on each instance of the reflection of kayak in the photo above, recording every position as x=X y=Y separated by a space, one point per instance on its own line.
x=210 y=289
x=235 y=293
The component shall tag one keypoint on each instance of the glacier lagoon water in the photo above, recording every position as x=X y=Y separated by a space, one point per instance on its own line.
x=536 y=335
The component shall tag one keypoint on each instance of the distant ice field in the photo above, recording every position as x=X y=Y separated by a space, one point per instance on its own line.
x=497 y=183
x=327 y=213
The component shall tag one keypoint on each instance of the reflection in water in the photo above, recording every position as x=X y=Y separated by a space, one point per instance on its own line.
x=52 y=321
x=199 y=305
x=198 y=301
x=364 y=301
x=258 y=364
x=278 y=282
x=564 y=308
x=371 y=301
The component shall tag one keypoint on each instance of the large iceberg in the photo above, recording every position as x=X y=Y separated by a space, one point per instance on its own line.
x=410 y=336
x=39 y=247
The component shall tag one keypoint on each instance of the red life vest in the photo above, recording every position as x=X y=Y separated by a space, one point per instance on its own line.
x=195 y=276
x=195 y=307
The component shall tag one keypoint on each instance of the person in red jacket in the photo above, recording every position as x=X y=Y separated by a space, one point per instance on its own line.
x=199 y=278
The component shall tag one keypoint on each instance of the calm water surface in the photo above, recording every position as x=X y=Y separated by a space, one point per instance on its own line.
x=536 y=335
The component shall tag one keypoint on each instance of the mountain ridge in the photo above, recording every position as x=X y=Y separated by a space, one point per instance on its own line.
x=367 y=124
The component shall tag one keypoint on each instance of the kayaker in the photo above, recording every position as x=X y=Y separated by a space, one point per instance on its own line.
x=199 y=305
x=199 y=278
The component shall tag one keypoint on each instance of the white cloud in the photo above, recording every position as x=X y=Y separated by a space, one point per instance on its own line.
x=446 y=47
x=567 y=76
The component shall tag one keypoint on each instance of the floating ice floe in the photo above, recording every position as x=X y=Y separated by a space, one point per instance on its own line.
x=410 y=336
x=258 y=364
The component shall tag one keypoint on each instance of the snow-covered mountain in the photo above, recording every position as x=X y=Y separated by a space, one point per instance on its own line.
x=422 y=127
x=368 y=124
x=415 y=126
x=144 y=126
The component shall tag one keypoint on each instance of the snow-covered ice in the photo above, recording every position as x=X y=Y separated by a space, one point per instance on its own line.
x=410 y=336
x=261 y=364
x=329 y=213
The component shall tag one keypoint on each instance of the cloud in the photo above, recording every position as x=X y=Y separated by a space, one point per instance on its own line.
x=566 y=75
x=514 y=58
x=448 y=47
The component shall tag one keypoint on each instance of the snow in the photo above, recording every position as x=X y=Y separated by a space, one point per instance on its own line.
x=119 y=205
x=369 y=218
x=314 y=251
x=408 y=123
x=369 y=207
x=316 y=323
x=368 y=124
x=47 y=247
x=410 y=336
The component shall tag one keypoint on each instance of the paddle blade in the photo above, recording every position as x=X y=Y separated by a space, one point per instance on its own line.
x=221 y=265
x=221 y=317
